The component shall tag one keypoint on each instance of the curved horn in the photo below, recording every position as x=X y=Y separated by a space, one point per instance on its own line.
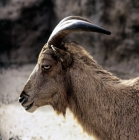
x=73 y=24
x=74 y=17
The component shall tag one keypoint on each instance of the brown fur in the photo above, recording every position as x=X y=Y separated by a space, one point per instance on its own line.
x=104 y=105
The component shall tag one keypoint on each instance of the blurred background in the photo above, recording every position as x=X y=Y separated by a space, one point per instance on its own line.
x=25 y=26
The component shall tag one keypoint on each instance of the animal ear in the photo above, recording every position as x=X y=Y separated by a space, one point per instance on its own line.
x=63 y=56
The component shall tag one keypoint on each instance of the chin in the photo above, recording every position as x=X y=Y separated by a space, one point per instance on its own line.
x=32 y=109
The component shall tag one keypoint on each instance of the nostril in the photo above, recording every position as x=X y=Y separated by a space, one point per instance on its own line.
x=24 y=94
x=21 y=99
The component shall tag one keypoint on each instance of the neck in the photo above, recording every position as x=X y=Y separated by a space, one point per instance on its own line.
x=101 y=102
x=91 y=99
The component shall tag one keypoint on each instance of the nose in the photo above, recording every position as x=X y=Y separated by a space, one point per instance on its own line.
x=23 y=97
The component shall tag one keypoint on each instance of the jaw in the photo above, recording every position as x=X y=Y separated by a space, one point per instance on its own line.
x=31 y=109
x=35 y=105
x=32 y=104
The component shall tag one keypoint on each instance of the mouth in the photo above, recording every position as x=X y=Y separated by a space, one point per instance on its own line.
x=24 y=101
x=29 y=106
x=27 y=102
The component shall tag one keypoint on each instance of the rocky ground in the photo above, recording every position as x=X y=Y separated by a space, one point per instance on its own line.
x=43 y=124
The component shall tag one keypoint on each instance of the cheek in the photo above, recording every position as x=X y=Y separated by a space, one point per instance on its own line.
x=45 y=97
x=45 y=91
x=45 y=88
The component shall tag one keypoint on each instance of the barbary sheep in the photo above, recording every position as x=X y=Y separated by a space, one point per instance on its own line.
x=66 y=76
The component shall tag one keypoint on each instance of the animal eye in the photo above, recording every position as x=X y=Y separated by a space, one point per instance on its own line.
x=46 y=67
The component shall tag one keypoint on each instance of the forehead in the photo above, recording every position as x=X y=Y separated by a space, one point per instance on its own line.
x=46 y=55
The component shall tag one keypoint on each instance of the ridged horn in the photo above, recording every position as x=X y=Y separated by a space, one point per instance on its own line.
x=72 y=24
x=74 y=17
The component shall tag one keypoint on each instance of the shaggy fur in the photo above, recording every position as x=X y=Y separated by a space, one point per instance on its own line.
x=104 y=105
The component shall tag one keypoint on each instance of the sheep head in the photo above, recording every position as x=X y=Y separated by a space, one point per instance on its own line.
x=48 y=84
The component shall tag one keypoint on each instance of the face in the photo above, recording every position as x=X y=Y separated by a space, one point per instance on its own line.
x=46 y=83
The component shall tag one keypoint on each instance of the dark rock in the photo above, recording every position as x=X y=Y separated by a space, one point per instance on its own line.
x=26 y=25
x=23 y=35
x=121 y=49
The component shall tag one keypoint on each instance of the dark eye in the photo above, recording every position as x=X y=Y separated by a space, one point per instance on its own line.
x=46 y=67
